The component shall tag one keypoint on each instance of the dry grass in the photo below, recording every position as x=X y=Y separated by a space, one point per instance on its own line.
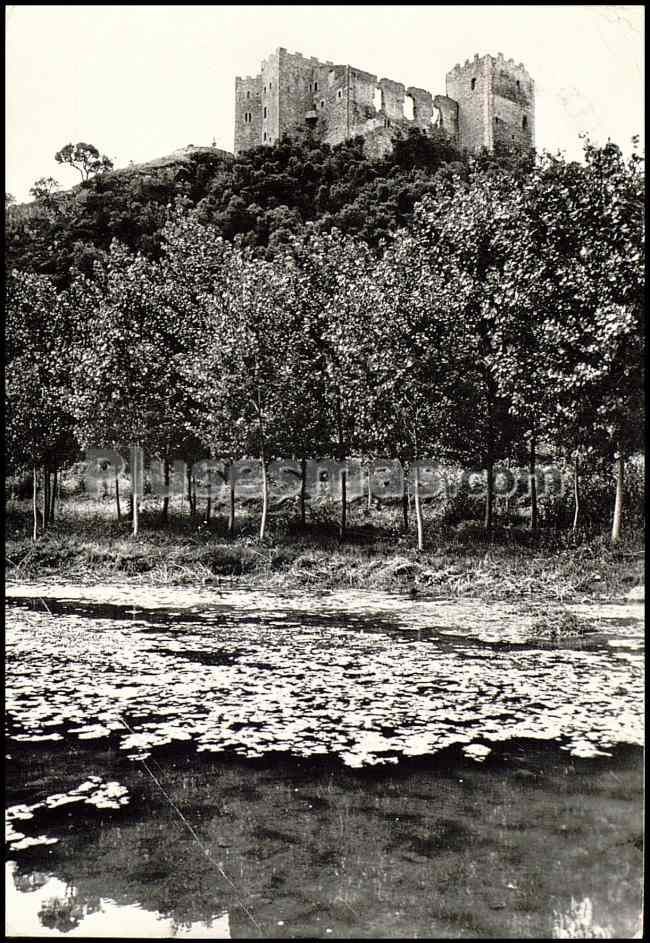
x=87 y=544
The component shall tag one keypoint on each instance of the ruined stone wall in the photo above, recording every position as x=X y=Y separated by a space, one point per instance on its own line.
x=270 y=78
x=248 y=113
x=302 y=85
x=488 y=100
x=514 y=104
x=447 y=110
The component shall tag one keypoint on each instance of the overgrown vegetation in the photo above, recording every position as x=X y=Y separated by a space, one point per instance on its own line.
x=85 y=544
x=259 y=198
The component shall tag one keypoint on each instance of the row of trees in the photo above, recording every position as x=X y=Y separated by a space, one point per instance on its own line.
x=508 y=313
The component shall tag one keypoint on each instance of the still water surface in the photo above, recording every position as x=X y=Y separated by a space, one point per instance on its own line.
x=254 y=764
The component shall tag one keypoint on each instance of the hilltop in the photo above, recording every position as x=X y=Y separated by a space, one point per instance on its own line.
x=258 y=197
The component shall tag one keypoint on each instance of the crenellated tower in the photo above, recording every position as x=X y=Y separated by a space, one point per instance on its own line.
x=496 y=103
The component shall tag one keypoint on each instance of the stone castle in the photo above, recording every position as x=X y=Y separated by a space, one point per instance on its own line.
x=489 y=100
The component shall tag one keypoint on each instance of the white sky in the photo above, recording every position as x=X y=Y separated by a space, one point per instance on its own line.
x=139 y=82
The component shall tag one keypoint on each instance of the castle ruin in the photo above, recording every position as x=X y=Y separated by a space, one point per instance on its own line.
x=489 y=100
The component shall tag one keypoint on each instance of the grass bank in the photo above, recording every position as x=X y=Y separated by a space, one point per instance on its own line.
x=86 y=544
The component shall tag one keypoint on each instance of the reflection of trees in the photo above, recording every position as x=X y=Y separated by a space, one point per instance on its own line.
x=64 y=914
x=30 y=881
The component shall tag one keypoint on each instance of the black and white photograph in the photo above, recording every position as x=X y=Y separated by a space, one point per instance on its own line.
x=324 y=449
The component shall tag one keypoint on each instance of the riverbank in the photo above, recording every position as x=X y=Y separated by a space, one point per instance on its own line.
x=459 y=561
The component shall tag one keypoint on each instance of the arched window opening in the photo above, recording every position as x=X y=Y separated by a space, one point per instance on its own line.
x=473 y=84
x=409 y=107
x=378 y=99
x=524 y=122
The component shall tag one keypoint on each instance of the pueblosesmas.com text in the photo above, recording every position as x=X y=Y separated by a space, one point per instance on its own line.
x=386 y=478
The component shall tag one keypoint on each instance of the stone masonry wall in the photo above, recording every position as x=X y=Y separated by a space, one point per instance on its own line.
x=488 y=100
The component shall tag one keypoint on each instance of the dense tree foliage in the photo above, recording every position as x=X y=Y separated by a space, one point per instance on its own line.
x=497 y=309
x=261 y=198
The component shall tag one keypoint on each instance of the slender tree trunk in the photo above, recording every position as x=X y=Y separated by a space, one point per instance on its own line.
x=576 y=491
x=136 y=517
x=418 y=506
x=340 y=457
x=344 y=505
x=134 y=491
x=34 y=505
x=194 y=494
x=117 y=496
x=618 y=503
x=55 y=485
x=231 y=506
x=369 y=488
x=208 y=507
x=164 y=514
x=405 y=505
x=188 y=475
x=303 y=489
x=265 y=496
x=489 y=496
x=534 y=515
x=46 y=496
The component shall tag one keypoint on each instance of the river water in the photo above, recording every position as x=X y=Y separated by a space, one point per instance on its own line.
x=196 y=763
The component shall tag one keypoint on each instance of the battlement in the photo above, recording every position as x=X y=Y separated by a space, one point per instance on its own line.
x=499 y=61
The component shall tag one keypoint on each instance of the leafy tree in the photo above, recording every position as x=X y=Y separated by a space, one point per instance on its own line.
x=37 y=345
x=570 y=328
x=85 y=158
x=465 y=228
x=43 y=188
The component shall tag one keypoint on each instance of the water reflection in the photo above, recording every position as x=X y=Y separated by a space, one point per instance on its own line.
x=417 y=769
x=39 y=904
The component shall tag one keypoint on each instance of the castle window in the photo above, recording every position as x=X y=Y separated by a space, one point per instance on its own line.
x=378 y=99
x=524 y=122
x=270 y=84
x=264 y=136
x=248 y=94
x=247 y=117
x=408 y=107
x=315 y=86
x=518 y=85
x=387 y=122
x=265 y=111
x=311 y=86
x=339 y=94
x=473 y=84
x=265 y=89
x=322 y=102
